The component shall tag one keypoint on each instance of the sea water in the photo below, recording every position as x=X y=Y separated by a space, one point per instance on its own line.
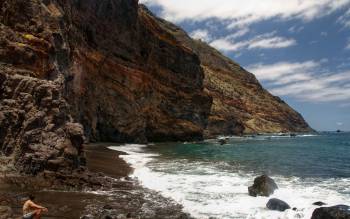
x=211 y=180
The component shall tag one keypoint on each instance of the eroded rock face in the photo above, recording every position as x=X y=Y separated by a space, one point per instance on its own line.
x=124 y=75
x=240 y=104
x=125 y=79
x=104 y=64
x=131 y=80
x=36 y=130
x=263 y=186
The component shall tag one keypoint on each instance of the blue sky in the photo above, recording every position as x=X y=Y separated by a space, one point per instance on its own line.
x=298 y=49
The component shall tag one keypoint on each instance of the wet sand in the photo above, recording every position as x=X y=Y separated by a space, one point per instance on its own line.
x=70 y=204
x=124 y=196
x=101 y=159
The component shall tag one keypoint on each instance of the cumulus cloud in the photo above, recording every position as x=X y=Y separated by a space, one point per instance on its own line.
x=304 y=81
x=264 y=41
x=242 y=13
x=201 y=34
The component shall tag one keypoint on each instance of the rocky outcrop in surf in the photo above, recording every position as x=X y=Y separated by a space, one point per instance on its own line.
x=334 y=212
x=277 y=205
x=263 y=186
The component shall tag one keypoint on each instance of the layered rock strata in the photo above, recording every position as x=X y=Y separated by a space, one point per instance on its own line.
x=240 y=104
x=124 y=75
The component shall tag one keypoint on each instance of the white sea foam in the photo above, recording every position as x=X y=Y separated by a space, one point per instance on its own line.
x=206 y=190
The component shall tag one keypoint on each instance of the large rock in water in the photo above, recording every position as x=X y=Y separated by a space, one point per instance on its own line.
x=334 y=212
x=277 y=205
x=263 y=186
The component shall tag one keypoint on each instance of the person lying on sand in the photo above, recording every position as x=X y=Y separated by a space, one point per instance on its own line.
x=32 y=210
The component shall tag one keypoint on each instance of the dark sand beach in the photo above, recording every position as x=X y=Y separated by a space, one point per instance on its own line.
x=118 y=196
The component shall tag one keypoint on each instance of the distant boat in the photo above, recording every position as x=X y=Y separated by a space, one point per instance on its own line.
x=338 y=131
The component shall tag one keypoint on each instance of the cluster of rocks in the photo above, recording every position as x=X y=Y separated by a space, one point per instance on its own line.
x=37 y=132
x=265 y=186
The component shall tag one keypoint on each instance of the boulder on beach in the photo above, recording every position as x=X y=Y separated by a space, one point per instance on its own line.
x=277 y=205
x=263 y=186
x=334 y=212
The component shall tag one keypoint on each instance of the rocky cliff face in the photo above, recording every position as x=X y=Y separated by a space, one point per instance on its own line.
x=124 y=75
x=131 y=80
x=36 y=130
x=103 y=64
x=240 y=104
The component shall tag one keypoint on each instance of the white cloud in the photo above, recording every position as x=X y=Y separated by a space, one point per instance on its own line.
x=324 y=34
x=201 y=34
x=273 y=42
x=226 y=45
x=239 y=33
x=345 y=19
x=246 y=12
x=339 y=123
x=304 y=80
x=274 y=72
x=295 y=29
x=348 y=44
x=264 y=41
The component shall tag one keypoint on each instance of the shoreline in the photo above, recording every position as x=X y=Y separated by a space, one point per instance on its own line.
x=297 y=192
x=119 y=196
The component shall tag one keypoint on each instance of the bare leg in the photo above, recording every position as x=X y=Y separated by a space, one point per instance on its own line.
x=38 y=214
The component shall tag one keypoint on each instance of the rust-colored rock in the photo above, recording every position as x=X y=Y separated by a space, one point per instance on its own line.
x=87 y=70
x=240 y=104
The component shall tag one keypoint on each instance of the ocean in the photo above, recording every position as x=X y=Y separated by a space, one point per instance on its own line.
x=211 y=180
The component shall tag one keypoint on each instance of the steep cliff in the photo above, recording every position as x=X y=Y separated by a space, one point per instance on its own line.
x=240 y=103
x=131 y=80
x=103 y=64
x=124 y=75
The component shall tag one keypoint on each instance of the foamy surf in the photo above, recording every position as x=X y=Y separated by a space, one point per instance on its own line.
x=205 y=189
